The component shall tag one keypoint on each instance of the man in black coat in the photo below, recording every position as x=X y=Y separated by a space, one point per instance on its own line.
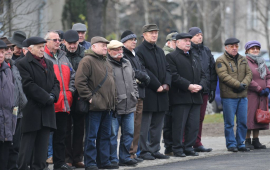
x=208 y=65
x=156 y=93
x=42 y=90
x=188 y=80
x=129 y=39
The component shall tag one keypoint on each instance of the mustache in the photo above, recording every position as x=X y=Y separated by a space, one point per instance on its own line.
x=117 y=55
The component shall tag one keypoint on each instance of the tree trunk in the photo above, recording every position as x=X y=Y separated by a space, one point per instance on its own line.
x=96 y=18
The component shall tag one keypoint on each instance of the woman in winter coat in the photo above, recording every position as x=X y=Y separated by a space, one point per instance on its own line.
x=258 y=92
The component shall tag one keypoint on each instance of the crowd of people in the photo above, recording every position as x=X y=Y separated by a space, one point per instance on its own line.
x=64 y=99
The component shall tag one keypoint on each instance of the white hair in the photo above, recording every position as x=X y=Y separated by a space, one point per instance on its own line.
x=31 y=46
x=47 y=36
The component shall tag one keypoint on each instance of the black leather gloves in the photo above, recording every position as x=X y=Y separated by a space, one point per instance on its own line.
x=241 y=88
x=212 y=96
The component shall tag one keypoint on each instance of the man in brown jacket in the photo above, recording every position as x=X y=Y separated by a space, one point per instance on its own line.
x=92 y=70
x=234 y=77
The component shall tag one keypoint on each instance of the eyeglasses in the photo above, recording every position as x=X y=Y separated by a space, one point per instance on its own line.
x=117 y=49
x=233 y=46
x=55 y=40
x=11 y=48
x=255 y=48
x=133 y=39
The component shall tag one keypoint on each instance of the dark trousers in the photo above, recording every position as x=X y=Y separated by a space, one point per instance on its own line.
x=74 y=137
x=152 y=122
x=14 y=148
x=167 y=131
x=34 y=144
x=137 y=127
x=185 y=120
x=59 y=139
x=202 y=114
x=4 y=151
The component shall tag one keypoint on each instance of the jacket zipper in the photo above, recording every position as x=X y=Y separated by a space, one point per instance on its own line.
x=231 y=67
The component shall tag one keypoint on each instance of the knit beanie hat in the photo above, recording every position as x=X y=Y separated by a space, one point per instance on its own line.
x=194 y=30
x=126 y=35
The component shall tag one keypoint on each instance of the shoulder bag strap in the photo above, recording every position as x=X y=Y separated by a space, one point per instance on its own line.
x=101 y=83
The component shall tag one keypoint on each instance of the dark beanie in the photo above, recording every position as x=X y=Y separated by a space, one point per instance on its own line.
x=194 y=30
x=126 y=35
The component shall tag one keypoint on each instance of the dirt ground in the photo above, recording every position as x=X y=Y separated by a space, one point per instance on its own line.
x=217 y=129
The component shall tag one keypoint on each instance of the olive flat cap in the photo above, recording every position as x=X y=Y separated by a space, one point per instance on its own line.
x=171 y=36
x=114 y=44
x=79 y=27
x=35 y=40
x=71 y=36
x=2 y=44
x=97 y=39
x=183 y=35
x=230 y=41
x=149 y=27
x=8 y=43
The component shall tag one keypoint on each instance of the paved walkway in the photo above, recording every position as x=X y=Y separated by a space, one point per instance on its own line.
x=217 y=143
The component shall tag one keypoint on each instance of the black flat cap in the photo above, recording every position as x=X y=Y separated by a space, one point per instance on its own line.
x=17 y=38
x=231 y=41
x=183 y=35
x=149 y=27
x=71 y=36
x=2 y=44
x=34 y=41
x=24 y=43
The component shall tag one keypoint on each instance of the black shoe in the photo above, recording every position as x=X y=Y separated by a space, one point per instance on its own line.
x=160 y=156
x=233 y=149
x=202 y=149
x=91 y=168
x=111 y=166
x=257 y=145
x=147 y=157
x=131 y=162
x=64 y=167
x=168 y=151
x=248 y=144
x=244 y=149
x=114 y=163
x=139 y=160
x=179 y=154
x=191 y=153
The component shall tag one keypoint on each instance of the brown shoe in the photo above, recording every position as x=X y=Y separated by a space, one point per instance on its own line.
x=79 y=165
x=49 y=160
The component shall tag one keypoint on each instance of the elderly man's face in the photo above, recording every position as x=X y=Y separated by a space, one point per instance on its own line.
x=81 y=35
x=8 y=52
x=184 y=44
x=71 y=46
x=53 y=42
x=172 y=44
x=2 y=57
x=37 y=50
x=17 y=51
x=131 y=44
x=197 y=39
x=232 y=49
x=116 y=53
x=151 y=36
x=100 y=48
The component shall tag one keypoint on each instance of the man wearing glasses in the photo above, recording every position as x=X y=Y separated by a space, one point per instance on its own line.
x=234 y=75
x=66 y=76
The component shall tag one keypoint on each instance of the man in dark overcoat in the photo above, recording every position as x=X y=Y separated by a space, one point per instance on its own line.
x=185 y=97
x=156 y=93
x=42 y=90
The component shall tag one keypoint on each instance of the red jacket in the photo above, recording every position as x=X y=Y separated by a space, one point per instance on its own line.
x=66 y=76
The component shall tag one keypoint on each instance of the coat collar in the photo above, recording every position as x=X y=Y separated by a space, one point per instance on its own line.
x=182 y=52
x=121 y=63
x=30 y=58
x=149 y=45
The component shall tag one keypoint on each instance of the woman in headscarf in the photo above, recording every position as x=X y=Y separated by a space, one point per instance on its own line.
x=258 y=92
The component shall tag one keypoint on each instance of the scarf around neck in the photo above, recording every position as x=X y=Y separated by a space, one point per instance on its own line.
x=261 y=64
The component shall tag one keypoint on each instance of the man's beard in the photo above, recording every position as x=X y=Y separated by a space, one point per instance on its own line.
x=7 y=59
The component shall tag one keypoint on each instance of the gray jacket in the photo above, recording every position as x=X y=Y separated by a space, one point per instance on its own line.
x=126 y=86
x=7 y=119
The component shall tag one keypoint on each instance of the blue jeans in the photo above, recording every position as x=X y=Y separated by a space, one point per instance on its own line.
x=50 y=146
x=97 y=138
x=231 y=108
x=127 y=130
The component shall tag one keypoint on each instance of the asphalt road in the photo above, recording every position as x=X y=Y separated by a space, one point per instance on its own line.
x=253 y=160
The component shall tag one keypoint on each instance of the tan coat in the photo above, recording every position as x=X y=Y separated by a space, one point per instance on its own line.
x=232 y=75
x=91 y=71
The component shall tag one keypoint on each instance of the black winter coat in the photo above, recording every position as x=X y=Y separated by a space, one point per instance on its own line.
x=74 y=58
x=154 y=61
x=186 y=70
x=38 y=83
x=139 y=70
x=208 y=64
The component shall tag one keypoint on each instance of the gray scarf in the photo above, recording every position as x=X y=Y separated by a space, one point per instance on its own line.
x=261 y=64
